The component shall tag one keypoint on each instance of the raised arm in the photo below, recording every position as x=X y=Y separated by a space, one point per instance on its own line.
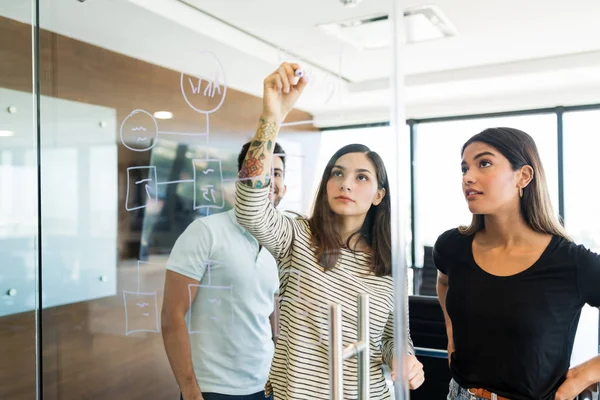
x=254 y=211
x=281 y=90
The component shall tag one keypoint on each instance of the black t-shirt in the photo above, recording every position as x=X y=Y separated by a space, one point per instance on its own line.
x=514 y=335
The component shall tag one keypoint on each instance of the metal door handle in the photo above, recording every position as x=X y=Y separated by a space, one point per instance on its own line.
x=338 y=353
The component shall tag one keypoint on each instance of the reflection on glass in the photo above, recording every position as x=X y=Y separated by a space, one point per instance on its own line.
x=79 y=256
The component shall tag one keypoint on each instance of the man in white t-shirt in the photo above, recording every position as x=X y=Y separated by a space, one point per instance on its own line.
x=222 y=346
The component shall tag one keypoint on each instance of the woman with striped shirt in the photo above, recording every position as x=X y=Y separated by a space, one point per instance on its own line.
x=344 y=249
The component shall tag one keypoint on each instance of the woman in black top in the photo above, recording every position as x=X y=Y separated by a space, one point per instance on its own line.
x=512 y=284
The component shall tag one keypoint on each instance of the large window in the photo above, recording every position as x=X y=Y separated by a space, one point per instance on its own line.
x=440 y=204
x=582 y=209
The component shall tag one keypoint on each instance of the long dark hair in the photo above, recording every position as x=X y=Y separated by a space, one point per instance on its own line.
x=520 y=149
x=376 y=229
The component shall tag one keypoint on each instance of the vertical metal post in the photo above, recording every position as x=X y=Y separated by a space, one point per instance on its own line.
x=336 y=361
x=561 y=163
x=364 y=356
x=397 y=186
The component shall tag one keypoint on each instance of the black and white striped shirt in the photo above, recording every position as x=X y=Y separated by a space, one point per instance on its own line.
x=300 y=368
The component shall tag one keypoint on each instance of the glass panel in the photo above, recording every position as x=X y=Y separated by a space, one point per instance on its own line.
x=18 y=203
x=439 y=198
x=145 y=110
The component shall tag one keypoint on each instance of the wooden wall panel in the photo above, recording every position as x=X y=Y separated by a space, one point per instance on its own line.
x=17 y=332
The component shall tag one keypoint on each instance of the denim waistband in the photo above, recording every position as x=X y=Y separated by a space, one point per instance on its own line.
x=456 y=392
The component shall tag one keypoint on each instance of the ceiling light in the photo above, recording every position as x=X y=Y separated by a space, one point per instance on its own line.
x=374 y=32
x=6 y=133
x=163 y=115
x=350 y=3
x=427 y=23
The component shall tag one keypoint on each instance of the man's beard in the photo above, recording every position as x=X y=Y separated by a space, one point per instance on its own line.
x=275 y=199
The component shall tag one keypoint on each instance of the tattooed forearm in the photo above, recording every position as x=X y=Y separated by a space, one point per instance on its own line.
x=257 y=164
x=267 y=130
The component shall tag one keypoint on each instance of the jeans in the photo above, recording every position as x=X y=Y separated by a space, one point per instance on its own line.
x=217 y=396
x=459 y=393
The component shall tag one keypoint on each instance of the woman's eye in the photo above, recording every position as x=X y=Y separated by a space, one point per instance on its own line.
x=362 y=178
x=485 y=163
x=337 y=173
x=464 y=170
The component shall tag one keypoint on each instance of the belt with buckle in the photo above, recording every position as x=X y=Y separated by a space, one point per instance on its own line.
x=485 y=394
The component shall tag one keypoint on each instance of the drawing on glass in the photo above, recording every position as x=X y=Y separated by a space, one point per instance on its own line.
x=217 y=299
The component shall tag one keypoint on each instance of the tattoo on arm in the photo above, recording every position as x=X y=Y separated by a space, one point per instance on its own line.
x=257 y=163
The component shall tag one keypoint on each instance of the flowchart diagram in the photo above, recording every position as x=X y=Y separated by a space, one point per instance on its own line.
x=219 y=299
x=141 y=308
x=140 y=132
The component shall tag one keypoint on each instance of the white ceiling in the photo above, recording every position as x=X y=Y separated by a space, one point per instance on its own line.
x=507 y=55
x=489 y=32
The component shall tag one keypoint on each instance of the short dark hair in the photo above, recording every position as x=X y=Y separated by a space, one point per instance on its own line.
x=278 y=151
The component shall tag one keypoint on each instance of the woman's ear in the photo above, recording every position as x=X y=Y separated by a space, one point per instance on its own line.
x=526 y=176
x=379 y=197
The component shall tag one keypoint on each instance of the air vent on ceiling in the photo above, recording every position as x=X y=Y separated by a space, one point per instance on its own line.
x=373 y=32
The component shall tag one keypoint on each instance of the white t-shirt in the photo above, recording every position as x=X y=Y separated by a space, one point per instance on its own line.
x=228 y=321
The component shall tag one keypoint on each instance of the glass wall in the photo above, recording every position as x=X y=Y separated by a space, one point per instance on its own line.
x=18 y=203
x=143 y=111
